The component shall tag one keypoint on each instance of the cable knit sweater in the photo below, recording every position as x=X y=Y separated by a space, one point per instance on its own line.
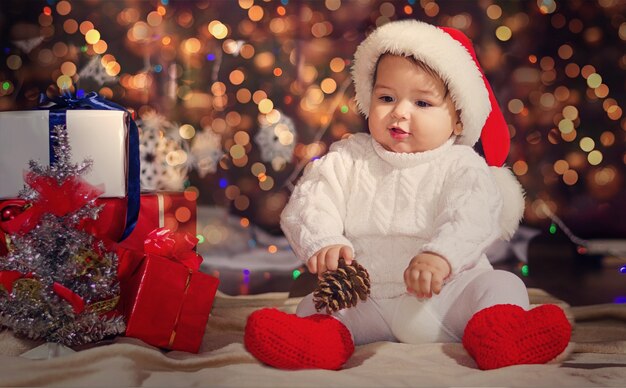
x=391 y=206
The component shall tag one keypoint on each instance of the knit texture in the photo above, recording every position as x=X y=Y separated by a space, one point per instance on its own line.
x=504 y=335
x=391 y=206
x=286 y=341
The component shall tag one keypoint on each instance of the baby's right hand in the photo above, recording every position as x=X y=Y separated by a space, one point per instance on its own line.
x=328 y=257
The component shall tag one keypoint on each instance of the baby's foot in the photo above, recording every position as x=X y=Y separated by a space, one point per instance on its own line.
x=287 y=341
x=505 y=334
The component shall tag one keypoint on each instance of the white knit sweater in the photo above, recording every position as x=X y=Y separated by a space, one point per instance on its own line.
x=391 y=206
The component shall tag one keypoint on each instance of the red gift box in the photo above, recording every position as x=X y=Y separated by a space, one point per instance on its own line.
x=175 y=211
x=111 y=220
x=166 y=300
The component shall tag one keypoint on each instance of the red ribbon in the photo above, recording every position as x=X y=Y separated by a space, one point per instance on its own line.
x=78 y=304
x=8 y=277
x=174 y=246
x=58 y=199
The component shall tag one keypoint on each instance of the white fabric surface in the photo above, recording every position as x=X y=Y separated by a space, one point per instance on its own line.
x=599 y=358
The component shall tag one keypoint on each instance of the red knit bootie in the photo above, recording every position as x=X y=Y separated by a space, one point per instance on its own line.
x=287 y=341
x=506 y=334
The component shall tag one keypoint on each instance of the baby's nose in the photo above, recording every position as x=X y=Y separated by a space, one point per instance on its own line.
x=401 y=110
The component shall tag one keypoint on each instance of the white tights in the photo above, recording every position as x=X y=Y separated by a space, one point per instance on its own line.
x=441 y=318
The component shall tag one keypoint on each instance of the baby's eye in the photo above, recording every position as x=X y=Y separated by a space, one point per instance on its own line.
x=386 y=98
x=422 y=104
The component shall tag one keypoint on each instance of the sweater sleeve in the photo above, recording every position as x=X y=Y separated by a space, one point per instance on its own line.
x=467 y=222
x=314 y=216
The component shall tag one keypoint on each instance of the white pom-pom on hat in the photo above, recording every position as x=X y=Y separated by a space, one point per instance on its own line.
x=449 y=52
x=513 y=198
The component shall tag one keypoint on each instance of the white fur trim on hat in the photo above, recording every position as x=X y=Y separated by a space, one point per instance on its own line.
x=437 y=49
x=513 y=196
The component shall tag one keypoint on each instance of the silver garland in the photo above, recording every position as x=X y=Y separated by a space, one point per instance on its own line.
x=57 y=251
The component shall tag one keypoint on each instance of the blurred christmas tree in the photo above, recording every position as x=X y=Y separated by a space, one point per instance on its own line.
x=57 y=283
x=230 y=71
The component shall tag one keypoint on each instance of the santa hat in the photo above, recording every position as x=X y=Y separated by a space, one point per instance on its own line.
x=451 y=55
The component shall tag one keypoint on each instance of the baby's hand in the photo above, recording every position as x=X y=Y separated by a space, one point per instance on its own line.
x=425 y=274
x=328 y=257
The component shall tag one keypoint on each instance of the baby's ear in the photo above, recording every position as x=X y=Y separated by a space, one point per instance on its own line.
x=458 y=127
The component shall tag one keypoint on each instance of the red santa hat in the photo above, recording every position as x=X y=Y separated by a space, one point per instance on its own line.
x=449 y=52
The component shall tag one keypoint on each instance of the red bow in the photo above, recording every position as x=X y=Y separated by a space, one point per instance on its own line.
x=64 y=198
x=55 y=198
x=175 y=246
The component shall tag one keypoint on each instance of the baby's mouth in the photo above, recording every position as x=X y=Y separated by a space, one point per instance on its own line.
x=398 y=133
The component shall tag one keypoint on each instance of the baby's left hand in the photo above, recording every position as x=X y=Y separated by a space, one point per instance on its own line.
x=425 y=274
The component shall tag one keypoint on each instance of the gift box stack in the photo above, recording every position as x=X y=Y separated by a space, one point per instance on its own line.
x=165 y=300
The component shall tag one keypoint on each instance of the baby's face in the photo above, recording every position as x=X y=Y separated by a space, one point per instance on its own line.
x=410 y=111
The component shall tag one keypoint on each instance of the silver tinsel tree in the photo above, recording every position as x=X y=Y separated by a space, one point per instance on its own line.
x=66 y=282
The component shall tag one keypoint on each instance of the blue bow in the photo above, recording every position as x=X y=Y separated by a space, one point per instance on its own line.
x=58 y=107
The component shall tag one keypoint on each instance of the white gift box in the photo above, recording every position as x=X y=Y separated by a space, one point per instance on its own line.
x=99 y=135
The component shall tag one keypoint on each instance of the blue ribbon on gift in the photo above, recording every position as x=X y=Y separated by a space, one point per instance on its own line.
x=59 y=106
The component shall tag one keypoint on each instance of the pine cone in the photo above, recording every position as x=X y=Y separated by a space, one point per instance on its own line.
x=342 y=288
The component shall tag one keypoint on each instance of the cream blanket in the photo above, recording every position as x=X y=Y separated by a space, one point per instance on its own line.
x=596 y=357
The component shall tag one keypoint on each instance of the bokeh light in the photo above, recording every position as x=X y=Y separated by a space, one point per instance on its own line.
x=229 y=68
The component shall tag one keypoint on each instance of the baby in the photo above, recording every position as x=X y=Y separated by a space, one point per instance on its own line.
x=418 y=207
